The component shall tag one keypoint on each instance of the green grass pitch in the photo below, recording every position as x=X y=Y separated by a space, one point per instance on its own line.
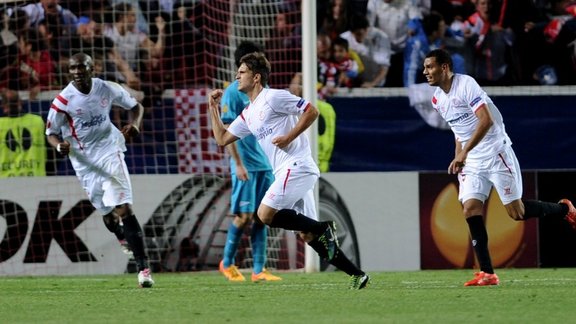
x=524 y=296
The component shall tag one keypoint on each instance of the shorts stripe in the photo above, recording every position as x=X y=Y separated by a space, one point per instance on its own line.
x=286 y=180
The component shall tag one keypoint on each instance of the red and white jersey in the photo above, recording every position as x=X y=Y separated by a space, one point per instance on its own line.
x=458 y=107
x=274 y=113
x=84 y=121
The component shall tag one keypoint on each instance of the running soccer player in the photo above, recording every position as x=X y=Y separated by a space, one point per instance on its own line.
x=78 y=125
x=483 y=159
x=251 y=176
x=277 y=119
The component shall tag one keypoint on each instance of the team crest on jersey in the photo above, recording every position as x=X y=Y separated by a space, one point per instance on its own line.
x=262 y=115
x=79 y=111
x=104 y=102
x=224 y=109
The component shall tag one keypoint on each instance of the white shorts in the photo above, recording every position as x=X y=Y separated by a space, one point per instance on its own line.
x=108 y=183
x=293 y=188
x=501 y=172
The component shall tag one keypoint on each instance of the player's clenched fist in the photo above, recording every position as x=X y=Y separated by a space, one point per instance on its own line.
x=130 y=130
x=215 y=97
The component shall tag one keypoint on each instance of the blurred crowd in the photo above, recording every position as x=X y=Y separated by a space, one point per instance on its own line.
x=147 y=46
x=156 y=45
x=382 y=43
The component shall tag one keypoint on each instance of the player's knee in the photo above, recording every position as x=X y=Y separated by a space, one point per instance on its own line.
x=123 y=210
x=306 y=237
x=515 y=210
x=111 y=222
x=241 y=220
x=265 y=214
x=516 y=214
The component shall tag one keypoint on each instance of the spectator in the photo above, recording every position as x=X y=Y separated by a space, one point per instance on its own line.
x=141 y=24
x=523 y=17
x=55 y=23
x=373 y=46
x=393 y=17
x=557 y=45
x=35 y=62
x=129 y=40
x=184 y=48
x=109 y=64
x=284 y=47
x=488 y=45
x=347 y=62
x=334 y=21
x=430 y=36
x=138 y=50
x=12 y=26
x=24 y=145
x=327 y=70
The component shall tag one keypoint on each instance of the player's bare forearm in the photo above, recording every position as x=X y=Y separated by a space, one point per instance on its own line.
x=133 y=129
x=484 y=123
x=138 y=115
x=222 y=136
x=241 y=172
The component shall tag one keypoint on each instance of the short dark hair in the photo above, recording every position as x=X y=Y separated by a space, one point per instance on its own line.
x=341 y=42
x=431 y=22
x=359 y=22
x=258 y=64
x=442 y=57
x=246 y=47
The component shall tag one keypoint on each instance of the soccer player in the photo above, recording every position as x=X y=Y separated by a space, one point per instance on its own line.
x=251 y=176
x=483 y=158
x=78 y=125
x=278 y=119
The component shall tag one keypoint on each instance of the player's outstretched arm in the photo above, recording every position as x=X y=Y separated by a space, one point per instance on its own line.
x=222 y=136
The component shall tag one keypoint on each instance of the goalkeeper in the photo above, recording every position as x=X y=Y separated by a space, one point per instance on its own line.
x=251 y=177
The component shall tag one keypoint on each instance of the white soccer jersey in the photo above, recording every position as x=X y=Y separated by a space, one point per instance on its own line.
x=458 y=108
x=83 y=120
x=274 y=113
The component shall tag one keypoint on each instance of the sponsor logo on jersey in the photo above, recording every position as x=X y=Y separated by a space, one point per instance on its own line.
x=434 y=100
x=458 y=119
x=263 y=132
x=95 y=121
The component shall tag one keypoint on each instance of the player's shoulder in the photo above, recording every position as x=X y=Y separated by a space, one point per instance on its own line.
x=463 y=79
x=66 y=94
x=107 y=84
x=437 y=95
x=275 y=94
